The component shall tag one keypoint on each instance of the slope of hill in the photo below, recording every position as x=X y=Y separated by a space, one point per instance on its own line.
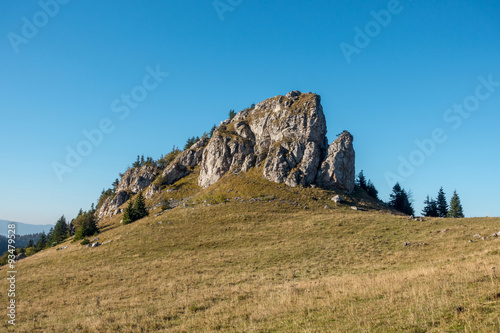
x=250 y=255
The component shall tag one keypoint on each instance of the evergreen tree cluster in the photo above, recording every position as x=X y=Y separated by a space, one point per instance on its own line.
x=141 y=161
x=135 y=210
x=401 y=200
x=85 y=224
x=366 y=185
x=439 y=207
x=190 y=142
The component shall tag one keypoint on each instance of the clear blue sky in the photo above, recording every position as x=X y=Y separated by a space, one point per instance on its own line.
x=73 y=63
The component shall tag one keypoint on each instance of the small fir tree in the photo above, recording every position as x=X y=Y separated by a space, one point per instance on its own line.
x=442 y=205
x=140 y=208
x=129 y=214
x=456 y=210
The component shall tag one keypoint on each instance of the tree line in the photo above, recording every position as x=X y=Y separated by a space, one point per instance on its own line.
x=401 y=200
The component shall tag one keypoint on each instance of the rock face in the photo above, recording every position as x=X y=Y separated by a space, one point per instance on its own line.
x=111 y=204
x=132 y=182
x=182 y=165
x=286 y=135
x=337 y=170
x=137 y=179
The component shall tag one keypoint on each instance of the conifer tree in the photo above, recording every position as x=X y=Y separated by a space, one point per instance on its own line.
x=361 y=181
x=212 y=130
x=60 y=231
x=442 y=205
x=430 y=208
x=456 y=210
x=400 y=200
x=42 y=242
x=140 y=208
x=371 y=190
x=86 y=225
x=129 y=214
x=232 y=114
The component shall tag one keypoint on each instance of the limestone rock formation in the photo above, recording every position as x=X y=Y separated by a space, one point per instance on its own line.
x=337 y=170
x=132 y=182
x=111 y=204
x=285 y=133
x=137 y=179
x=183 y=164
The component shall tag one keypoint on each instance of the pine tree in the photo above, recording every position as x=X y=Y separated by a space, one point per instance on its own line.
x=212 y=130
x=232 y=114
x=371 y=190
x=189 y=143
x=442 y=205
x=361 y=181
x=140 y=208
x=129 y=214
x=456 y=210
x=366 y=185
x=86 y=225
x=430 y=208
x=49 y=237
x=400 y=200
x=71 y=228
x=60 y=231
x=115 y=184
x=42 y=242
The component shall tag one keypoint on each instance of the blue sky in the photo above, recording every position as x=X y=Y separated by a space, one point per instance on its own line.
x=419 y=60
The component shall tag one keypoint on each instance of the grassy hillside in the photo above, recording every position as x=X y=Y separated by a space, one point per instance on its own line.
x=247 y=255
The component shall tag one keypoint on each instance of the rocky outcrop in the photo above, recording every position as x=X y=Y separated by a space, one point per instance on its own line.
x=183 y=164
x=285 y=133
x=111 y=204
x=337 y=170
x=285 y=136
x=132 y=182
x=137 y=179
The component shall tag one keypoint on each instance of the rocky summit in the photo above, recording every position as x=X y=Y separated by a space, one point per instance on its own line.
x=287 y=136
x=284 y=135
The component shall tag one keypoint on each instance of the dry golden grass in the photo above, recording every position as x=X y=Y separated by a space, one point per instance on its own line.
x=266 y=266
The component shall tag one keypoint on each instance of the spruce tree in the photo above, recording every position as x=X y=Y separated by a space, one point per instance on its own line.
x=430 y=208
x=212 y=130
x=232 y=114
x=442 y=205
x=129 y=214
x=86 y=225
x=42 y=242
x=361 y=181
x=140 y=208
x=456 y=210
x=371 y=190
x=60 y=231
x=400 y=200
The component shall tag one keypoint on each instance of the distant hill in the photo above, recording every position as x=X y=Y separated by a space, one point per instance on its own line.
x=24 y=228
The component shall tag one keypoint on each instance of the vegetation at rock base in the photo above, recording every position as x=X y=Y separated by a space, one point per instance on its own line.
x=135 y=210
x=366 y=185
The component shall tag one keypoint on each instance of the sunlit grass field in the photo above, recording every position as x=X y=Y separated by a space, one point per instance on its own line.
x=247 y=255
